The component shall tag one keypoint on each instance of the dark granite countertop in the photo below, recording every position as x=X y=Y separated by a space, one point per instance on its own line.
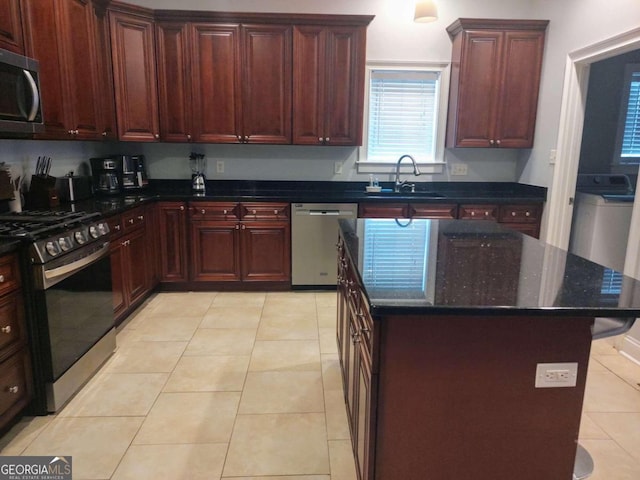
x=477 y=268
x=316 y=192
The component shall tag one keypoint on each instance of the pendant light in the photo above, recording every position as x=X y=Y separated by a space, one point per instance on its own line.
x=426 y=11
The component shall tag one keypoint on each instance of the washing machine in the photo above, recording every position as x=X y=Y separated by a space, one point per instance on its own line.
x=601 y=219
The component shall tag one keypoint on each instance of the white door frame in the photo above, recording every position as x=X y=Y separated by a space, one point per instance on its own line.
x=576 y=79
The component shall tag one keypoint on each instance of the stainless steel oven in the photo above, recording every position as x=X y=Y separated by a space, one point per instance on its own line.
x=67 y=283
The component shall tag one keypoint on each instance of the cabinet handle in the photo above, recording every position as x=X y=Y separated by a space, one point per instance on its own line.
x=328 y=139
x=498 y=142
x=275 y=212
x=6 y=329
x=203 y=211
x=320 y=139
x=1 y=278
x=513 y=214
x=131 y=221
x=157 y=135
x=244 y=226
x=527 y=213
x=13 y=389
x=104 y=134
x=116 y=227
x=224 y=212
x=188 y=137
x=491 y=142
x=140 y=217
x=181 y=207
x=486 y=213
x=253 y=212
x=237 y=227
x=473 y=214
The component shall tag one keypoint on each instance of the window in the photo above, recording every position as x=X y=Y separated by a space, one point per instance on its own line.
x=629 y=126
x=403 y=114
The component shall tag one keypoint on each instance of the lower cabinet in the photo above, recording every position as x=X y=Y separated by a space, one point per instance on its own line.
x=240 y=242
x=172 y=228
x=132 y=266
x=15 y=364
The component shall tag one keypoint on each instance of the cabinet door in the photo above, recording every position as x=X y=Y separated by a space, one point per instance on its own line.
x=137 y=265
x=44 y=44
x=520 y=82
x=107 y=120
x=471 y=124
x=431 y=210
x=117 y=278
x=216 y=87
x=215 y=251
x=174 y=86
x=172 y=222
x=266 y=251
x=364 y=431
x=383 y=210
x=12 y=327
x=344 y=83
x=266 y=80
x=308 y=85
x=15 y=386
x=134 y=73
x=11 y=26
x=77 y=27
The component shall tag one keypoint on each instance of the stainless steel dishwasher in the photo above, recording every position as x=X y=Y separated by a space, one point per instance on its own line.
x=314 y=234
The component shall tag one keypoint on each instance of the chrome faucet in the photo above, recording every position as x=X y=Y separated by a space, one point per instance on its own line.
x=416 y=172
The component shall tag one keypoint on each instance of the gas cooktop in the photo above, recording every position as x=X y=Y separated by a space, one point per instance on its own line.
x=53 y=234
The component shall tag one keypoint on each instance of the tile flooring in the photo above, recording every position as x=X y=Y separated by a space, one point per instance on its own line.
x=247 y=386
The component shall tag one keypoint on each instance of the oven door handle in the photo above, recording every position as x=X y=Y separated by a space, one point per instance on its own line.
x=55 y=275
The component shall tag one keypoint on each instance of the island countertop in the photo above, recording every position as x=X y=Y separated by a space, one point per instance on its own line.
x=475 y=267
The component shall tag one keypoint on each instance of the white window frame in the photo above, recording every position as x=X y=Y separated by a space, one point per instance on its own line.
x=618 y=161
x=438 y=164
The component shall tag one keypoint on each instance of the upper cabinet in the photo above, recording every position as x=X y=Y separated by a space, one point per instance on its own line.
x=328 y=84
x=134 y=73
x=11 y=26
x=495 y=78
x=63 y=35
x=260 y=78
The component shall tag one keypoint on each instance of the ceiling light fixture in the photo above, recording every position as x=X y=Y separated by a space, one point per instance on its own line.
x=426 y=11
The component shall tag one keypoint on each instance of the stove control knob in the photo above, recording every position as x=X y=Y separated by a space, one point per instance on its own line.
x=93 y=231
x=102 y=229
x=53 y=248
x=80 y=236
x=65 y=243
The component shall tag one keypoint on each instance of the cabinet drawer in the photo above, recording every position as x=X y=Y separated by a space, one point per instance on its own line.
x=12 y=330
x=519 y=213
x=9 y=273
x=382 y=210
x=115 y=225
x=478 y=212
x=265 y=211
x=133 y=219
x=214 y=211
x=15 y=382
x=426 y=210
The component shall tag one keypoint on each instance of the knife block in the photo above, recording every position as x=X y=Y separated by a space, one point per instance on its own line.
x=42 y=192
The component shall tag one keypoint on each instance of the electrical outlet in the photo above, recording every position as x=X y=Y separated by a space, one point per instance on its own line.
x=552 y=157
x=459 y=169
x=337 y=168
x=219 y=166
x=552 y=375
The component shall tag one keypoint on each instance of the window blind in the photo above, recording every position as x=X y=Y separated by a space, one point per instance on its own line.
x=402 y=115
x=630 y=152
x=394 y=257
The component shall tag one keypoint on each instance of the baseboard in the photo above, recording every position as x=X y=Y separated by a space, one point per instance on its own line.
x=631 y=349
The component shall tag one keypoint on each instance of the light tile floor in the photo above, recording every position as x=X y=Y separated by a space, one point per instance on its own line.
x=247 y=386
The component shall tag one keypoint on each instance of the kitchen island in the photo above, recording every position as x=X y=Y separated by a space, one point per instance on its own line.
x=464 y=348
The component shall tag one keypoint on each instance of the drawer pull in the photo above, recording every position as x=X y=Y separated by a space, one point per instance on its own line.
x=6 y=329
x=237 y=227
x=224 y=211
x=203 y=211
x=13 y=389
x=116 y=227
x=253 y=212
x=275 y=212
x=527 y=213
x=513 y=214
x=182 y=207
x=131 y=221
x=140 y=217
x=473 y=214
x=486 y=213
x=2 y=278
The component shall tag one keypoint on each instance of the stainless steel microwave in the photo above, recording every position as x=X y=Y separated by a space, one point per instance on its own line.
x=20 y=100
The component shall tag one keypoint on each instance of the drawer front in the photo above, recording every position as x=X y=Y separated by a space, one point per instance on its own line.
x=9 y=273
x=426 y=210
x=520 y=213
x=12 y=328
x=134 y=219
x=14 y=381
x=116 y=226
x=478 y=212
x=265 y=211
x=383 y=210
x=225 y=211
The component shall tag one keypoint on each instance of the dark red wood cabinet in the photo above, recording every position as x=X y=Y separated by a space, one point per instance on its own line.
x=172 y=233
x=328 y=84
x=495 y=78
x=11 y=36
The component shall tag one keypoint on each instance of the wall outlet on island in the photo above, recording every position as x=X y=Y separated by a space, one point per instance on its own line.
x=459 y=169
x=551 y=375
x=219 y=166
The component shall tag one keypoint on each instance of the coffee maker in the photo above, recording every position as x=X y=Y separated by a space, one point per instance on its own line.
x=119 y=174
x=134 y=173
x=107 y=174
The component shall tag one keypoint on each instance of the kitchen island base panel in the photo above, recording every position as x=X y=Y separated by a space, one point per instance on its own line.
x=456 y=397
